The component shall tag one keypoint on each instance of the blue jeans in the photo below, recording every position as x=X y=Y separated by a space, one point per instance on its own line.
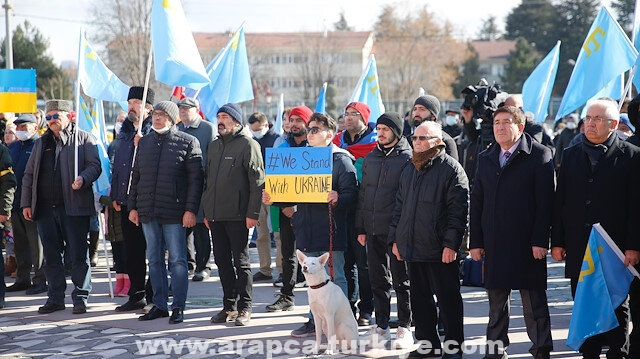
x=56 y=229
x=339 y=277
x=172 y=238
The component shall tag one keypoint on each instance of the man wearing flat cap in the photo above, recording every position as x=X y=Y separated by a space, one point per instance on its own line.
x=61 y=202
x=138 y=120
x=427 y=108
x=198 y=239
x=25 y=233
x=166 y=185
x=232 y=200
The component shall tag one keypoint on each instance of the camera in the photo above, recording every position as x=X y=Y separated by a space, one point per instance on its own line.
x=483 y=100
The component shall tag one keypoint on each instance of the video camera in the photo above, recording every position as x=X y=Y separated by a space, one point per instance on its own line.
x=483 y=100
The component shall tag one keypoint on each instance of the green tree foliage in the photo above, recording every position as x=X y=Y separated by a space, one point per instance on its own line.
x=30 y=52
x=624 y=10
x=342 y=25
x=533 y=20
x=489 y=30
x=469 y=73
x=522 y=60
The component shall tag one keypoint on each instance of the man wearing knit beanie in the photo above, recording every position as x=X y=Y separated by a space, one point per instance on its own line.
x=359 y=139
x=393 y=121
x=427 y=108
x=166 y=187
x=231 y=203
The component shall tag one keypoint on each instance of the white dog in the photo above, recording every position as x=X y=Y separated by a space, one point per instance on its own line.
x=329 y=305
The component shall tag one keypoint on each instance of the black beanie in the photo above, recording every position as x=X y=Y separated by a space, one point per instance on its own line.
x=430 y=102
x=137 y=92
x=232 y=110
x=394 y=121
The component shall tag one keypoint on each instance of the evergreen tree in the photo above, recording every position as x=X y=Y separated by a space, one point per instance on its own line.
x=624 y=10
x=469 y=73
x=489 y=30
x=533 y=20
x=341 y=25
x=521 y=62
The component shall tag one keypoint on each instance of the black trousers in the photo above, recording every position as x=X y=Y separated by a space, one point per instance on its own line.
x=201 y=240
x=231 y=255
x=617 y=338
x=356 y=270
x=384 y=270
x=28 y=250
x=289 y=259
x=135 y=246
x=427 y=278
x=536 y=319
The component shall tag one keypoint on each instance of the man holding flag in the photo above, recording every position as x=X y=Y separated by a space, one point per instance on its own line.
x=588 y=174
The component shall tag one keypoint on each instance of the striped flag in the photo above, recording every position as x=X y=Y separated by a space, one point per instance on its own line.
x=18 y=90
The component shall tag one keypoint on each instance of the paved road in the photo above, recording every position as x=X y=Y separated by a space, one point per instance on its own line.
x=103 y=333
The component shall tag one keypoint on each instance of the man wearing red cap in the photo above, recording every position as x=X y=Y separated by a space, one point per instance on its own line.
x=359 y=139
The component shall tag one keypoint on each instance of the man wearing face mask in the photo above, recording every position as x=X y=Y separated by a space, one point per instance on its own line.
x=266 y=136
x=25 y=233
x=198 y=239
x=166 y=184
x=452 y=123
x=565 y=137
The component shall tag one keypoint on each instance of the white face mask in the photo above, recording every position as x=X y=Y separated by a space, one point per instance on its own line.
x=572 y=125
x=161 y=131
x=451 y=120
x=118 y=127
x=23 y=135
x=259 y=134
x=623 y=136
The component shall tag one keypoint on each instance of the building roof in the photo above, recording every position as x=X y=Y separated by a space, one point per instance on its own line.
x=280 y=39
x=496 y=49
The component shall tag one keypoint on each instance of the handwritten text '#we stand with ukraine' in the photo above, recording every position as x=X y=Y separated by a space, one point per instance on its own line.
x=298 y=174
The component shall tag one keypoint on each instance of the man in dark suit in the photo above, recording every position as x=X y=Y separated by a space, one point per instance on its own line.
x=589 y=172
x=511 y=205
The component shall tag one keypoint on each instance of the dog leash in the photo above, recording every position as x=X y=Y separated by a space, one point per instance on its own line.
x=331 y=273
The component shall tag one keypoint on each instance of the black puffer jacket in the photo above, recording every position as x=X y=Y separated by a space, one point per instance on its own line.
x=380 y=179
x=431 y=210
x=167 y=177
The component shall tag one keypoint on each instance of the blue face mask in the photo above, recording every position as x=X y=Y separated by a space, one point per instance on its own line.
x=451 y=120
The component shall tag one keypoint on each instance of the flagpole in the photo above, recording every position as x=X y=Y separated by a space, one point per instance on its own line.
x=77 y=98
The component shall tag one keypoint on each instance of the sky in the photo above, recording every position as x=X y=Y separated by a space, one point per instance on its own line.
x=61 y=20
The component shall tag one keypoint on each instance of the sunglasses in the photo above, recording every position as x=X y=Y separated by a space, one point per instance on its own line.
x=422 y=138
x=54 y=117
x=314 y=130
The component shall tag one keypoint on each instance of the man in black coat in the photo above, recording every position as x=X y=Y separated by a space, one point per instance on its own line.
x=510 y=222
x=589 y=172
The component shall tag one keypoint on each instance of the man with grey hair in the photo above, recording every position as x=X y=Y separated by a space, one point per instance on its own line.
x=588 y=173
x=61 y=202
x=426 y=230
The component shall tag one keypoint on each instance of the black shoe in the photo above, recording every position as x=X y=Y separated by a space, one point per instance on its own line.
x=243 y=318
x=224 y=316
x=260 y=277
x=177 y=316
x=284 y=302
x=16 y=287
x=252 y=244
x=154 y=313
x=79 y=308
x=49 y=307
x=37 y=289
x=1 y=302
x=364 y=320
x=131 y=305
x=199 y=276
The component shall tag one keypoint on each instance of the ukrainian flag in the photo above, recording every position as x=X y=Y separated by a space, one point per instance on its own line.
x=18 y=91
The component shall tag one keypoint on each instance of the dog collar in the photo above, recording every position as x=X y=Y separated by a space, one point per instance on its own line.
x=319 y=285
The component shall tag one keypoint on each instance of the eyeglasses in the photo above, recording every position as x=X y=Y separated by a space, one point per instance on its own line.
x=422 y=138
x=159 y=114
x=351 y=114
x=54 y=117
x=596 y=119
x=315 y=129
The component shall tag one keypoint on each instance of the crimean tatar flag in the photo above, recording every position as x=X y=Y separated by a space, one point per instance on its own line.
x=95 y=77
x=368 y=90
x=18 y=90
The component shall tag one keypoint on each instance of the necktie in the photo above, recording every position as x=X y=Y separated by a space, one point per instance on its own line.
x=507 y=154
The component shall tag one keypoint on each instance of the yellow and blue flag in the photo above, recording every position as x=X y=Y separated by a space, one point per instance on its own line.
x=368 y=90
x=321 y=104
x=536 y=90
x=176 y=57
x=93 y=122
x=603 y=285
x=96 y=79
x=605 y=54
x=18 y=90
x=230 y=78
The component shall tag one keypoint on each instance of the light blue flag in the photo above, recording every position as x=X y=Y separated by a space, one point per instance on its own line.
x=368 y=90
x=606 y=53
x=230 y=78
x=278 y=125
x=614 y=90
x=94 y=125
x=176 y=57
x=603 y=285
x=536 y=90
x=96 y=79
x=322 y=103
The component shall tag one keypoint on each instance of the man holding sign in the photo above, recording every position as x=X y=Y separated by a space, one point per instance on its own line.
x=312 y=221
